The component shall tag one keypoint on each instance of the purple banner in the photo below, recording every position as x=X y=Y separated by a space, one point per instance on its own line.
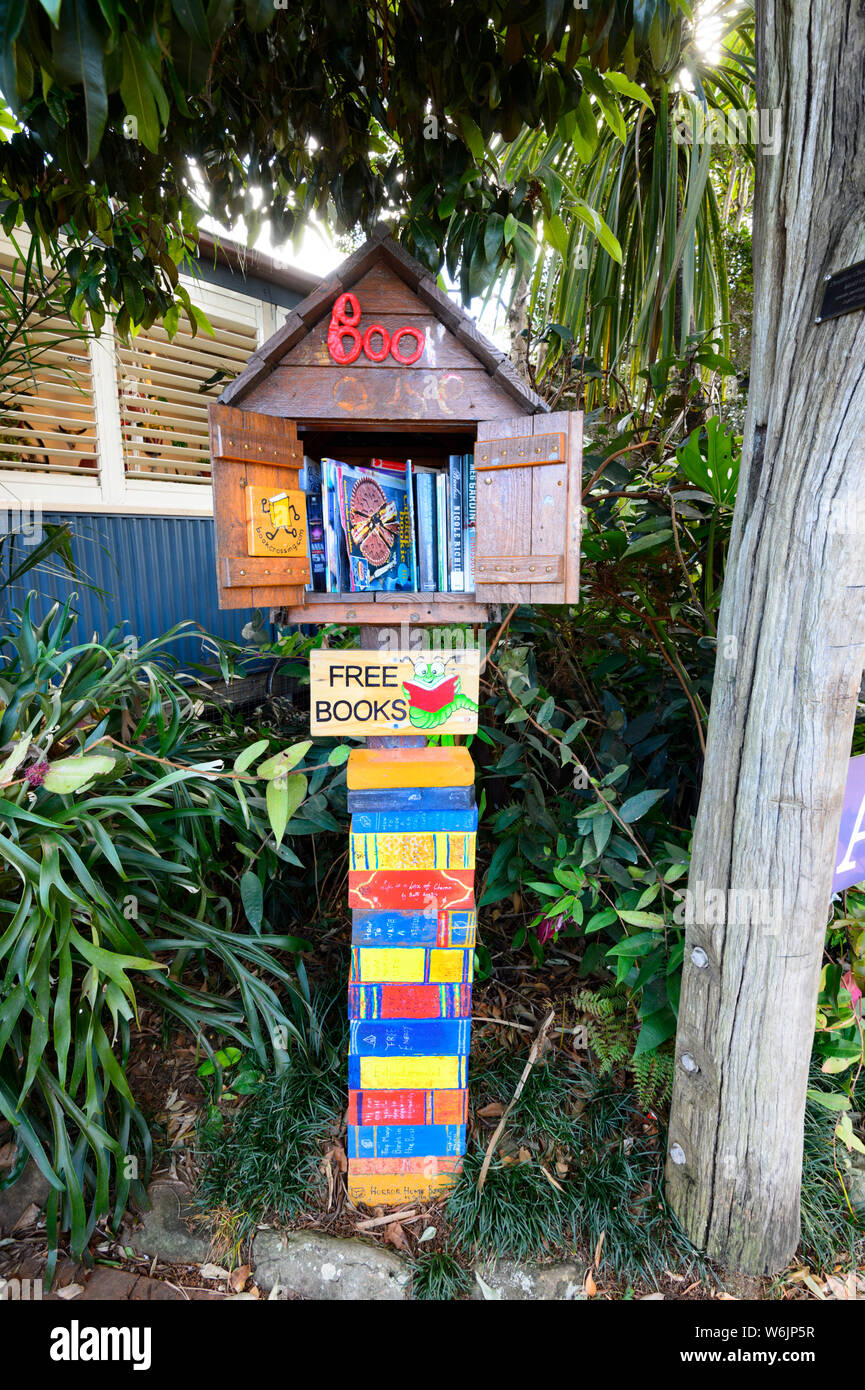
x=850 y=861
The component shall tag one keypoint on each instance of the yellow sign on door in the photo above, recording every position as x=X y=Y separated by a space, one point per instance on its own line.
x=405 y=692
x=276 y=522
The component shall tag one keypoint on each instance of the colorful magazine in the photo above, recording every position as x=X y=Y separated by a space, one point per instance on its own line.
x=374 y=516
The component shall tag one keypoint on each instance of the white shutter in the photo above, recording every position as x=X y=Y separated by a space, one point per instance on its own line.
x=163 y=392
x=47 y=416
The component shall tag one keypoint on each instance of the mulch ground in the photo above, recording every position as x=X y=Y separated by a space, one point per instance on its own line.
x=164 y=1080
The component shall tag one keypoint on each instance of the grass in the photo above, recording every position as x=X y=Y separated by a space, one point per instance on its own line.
x=438 y=1276
x=588 y=1164
x=580 y=1161
x=829 y=1235
x=264 y=1161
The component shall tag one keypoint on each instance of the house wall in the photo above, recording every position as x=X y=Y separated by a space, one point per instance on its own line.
x=156 y=571
x=147 y=541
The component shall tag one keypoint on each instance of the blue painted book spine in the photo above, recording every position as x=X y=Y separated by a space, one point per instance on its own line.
x=393 y=928
x=411 y=799
x=404 y=1141
x=424 y=1037
x=413 y=822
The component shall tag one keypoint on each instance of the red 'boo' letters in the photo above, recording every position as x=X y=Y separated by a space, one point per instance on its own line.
x=343 y=328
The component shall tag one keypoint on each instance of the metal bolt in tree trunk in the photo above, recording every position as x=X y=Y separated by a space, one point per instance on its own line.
x=790 y=660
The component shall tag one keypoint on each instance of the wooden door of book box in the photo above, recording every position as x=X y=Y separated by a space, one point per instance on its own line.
x=378 y=363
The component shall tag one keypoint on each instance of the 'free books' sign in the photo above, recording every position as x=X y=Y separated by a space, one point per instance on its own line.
x=400 y=692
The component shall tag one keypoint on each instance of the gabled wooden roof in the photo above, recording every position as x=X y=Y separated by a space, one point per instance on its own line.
x=282 y=377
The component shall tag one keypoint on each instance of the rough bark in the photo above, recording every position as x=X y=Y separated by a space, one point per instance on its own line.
x=790 y=660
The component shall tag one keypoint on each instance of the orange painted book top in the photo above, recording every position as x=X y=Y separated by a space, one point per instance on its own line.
x=409 y=767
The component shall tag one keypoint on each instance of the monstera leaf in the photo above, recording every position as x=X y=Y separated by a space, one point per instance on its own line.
x=708 y=460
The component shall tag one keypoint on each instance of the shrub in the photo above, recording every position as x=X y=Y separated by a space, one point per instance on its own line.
x=137 y=852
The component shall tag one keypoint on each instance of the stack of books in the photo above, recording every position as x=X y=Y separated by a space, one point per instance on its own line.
x=390 y=525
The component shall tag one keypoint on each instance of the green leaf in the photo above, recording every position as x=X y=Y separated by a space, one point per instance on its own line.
x=648 y=542
x=829 y=1100
x=708 y=461
x=549 y=890
x=284 y=795
x=193 y=20
x=598 y=226
x=656 y=1029
x=633 y=946
x=473 y=138
x=837 y=1063
x=52 y=9
x=546 y=711
x=637 y=806
x=556 y=233
x=226 y=1057
x=143 y=97
x=70 y=774
x=640 y=919
x=628 y=88
x=249 y=755
x=79 y=53
x=601 y=919
x=601 y=830
x=252 y=897
x=337 y=756
x=283 y=762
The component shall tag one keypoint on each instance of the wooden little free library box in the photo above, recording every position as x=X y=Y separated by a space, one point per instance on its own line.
x=378 y=364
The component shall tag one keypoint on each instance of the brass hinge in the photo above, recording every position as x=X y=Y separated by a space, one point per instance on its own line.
x=534 y=451
x=519 y=569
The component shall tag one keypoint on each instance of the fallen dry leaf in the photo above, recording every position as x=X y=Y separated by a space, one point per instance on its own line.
x=238 y=1278
x=209 y=1271
x=27 y=1217
x=836 y=1287
x=491 y=1111
x=590 y=1286
x=395 y=1235
x=70 y=1291
x=338 y=1154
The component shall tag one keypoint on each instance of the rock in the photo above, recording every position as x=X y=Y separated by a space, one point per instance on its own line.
x=327 y=1268
x=530 y=1283
x=107 y=1285
x=31 y=1189
x=855 y=1183
x=164 y=1231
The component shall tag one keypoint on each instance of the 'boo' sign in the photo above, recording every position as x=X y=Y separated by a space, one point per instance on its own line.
x=404 y=692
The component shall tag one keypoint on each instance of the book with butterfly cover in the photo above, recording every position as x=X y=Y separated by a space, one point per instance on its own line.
x=376 y=525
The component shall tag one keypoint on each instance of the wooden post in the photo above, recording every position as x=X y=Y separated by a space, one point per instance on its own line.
x=791 y=642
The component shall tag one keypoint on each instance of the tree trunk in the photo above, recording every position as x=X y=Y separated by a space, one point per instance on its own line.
x=517 y=324
x=790 y=660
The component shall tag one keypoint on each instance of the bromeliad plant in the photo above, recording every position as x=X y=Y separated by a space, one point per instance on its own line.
x=137 y=849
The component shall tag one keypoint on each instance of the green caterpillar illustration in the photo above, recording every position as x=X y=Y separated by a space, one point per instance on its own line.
x=433 y=696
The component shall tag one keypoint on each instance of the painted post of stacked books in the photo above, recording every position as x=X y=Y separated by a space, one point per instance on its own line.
x=411 y=891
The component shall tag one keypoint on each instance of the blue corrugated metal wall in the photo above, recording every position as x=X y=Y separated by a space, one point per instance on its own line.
x=156 y=571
